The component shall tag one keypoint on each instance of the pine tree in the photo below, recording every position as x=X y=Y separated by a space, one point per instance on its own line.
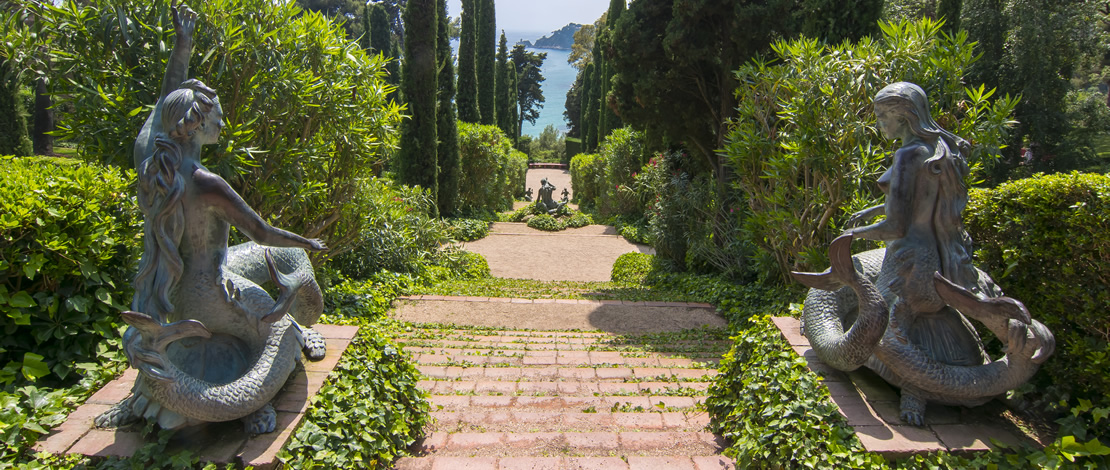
x=446 y=120
x=467 y=97
x=505 y=88
x=485 y=61
x=417 y=161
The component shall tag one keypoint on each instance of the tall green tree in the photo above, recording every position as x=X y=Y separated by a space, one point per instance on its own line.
x=380 y=40
x=835 y=21
x=514 y=110
x=467 y=98
x=588 y=114
x=674 y=67
x=14 y=138
x=485 y=61
x=607 y=120
x=417 y=160
x=949 y=10
x=528 y=66
x=505 y=100
x=446 y=119
x=572 y=108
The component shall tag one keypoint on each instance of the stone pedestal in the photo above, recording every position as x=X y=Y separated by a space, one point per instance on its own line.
x=219 y=443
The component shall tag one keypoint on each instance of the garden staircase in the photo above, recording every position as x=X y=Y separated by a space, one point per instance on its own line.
x=504 y=399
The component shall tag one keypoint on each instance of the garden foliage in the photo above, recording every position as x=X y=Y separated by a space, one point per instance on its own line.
x=492 y=171
x=400 y=231
x=307 y=119
x=632 y=268
x=804 y=148
x=1046 y=241
x=69 y=240
x=585 y=172
x=607 y=180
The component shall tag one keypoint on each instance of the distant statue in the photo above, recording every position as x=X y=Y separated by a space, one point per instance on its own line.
x=209 y=343
x=528 y=195
x=905 y=307
x=546 y=203
x=566 y=196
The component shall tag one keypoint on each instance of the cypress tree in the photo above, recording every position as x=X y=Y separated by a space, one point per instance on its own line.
x=380 y=41
x=607 y=120
x=14 y=139
x=589 y=111
x=446 y=120
x=485 y=61
x=467 y=97
x=418 y=156
x=949 y=10
x=514 y=113
x=505 y=89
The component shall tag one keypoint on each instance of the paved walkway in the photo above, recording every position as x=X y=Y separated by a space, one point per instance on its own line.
x=516 y=251
x=509 y=399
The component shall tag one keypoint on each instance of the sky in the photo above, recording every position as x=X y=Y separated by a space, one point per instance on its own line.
x=542 y=16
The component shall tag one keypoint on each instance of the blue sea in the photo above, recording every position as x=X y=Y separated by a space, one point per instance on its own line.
x=559 y=77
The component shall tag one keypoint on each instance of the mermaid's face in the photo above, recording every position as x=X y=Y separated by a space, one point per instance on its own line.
x=213 y=123
x=891 y=124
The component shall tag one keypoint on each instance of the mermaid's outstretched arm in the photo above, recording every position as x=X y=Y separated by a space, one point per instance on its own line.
x=232 y=208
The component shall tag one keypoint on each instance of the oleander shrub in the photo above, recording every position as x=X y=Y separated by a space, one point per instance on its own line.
x=547 y=223
x=1046 y=241
x=587 y=173
x=306 y=109
x=632 y=268
x=804 y=150
x=69 y=244
x=622 y=155
x=400 y=231
x=493 y=172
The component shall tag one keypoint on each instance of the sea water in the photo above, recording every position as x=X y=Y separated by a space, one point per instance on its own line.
x=559 y=77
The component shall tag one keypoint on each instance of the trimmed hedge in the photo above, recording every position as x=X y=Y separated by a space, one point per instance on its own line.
x=632 y=268
x=1046 y=241
x=69 y=242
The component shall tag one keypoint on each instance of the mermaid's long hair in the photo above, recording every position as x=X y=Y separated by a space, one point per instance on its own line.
x=161 y=186
x=949 y=164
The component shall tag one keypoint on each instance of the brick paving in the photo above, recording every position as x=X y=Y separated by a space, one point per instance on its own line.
x=505 y=399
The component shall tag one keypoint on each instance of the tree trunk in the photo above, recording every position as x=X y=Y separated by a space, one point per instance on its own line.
x=44 y=120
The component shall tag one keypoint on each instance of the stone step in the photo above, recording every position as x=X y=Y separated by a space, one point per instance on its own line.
x=585 y=444
x=517 y=421
x=677 y=349
x=568 y=388
x=565 y=403
x=434 y=355
x=555 y=373
x=514 y=337
x=712 y=462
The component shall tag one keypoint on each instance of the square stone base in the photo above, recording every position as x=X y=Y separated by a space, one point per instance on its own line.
x=219 y=443
x=872 y=407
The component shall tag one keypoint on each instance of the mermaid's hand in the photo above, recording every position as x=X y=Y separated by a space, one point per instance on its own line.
x=184 y=21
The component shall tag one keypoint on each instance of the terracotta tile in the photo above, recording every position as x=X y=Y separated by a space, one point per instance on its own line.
x=412 y=463
x=596 y=463
x=618 y=387
x=502 y=373
x=473 y=440
x=578 y=373
x=713 y=462
x=116 y=390
x=336 y=331
x=261 y=451
x=639 y=421
x=973 y=437
x=648 y=441
x=898 y=441
x=604 y=373
x=531 y=463
x=660 y=463
x=108 y=443
x=494 y=387
x=593 y=441
x=60 y=440
x=791 y=330
x=532 y=440
x=464 y=463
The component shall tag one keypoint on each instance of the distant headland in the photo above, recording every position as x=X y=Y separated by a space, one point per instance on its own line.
x=562 y=39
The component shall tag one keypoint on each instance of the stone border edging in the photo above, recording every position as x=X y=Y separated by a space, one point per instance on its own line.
x=78 y=435
x=460 y=298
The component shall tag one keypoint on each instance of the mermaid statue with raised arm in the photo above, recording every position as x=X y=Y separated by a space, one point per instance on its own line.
x=903 y=310
x=209 y=342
